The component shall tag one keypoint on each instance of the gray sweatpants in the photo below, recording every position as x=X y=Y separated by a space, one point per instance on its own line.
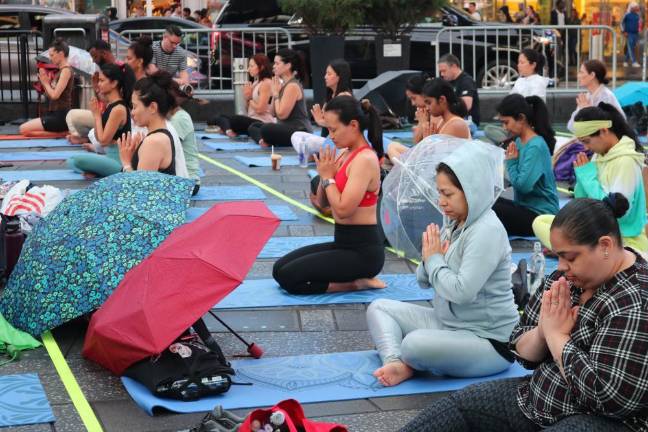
x=411 y=334
x=492 y=407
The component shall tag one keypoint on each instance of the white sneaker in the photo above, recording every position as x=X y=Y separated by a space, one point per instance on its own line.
x=635 y=64
x=625 y=64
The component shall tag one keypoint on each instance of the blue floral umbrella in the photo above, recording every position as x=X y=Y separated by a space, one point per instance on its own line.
x=76 y=257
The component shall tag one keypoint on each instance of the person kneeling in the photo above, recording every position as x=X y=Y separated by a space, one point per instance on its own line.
x=350 y=185
x=468 y=264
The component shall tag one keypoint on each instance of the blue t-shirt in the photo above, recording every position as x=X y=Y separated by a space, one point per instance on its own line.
x=532 y=177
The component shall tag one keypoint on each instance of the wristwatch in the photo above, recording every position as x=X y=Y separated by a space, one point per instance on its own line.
x=327 y=182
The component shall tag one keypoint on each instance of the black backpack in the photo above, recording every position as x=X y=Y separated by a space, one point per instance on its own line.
x=187 y=370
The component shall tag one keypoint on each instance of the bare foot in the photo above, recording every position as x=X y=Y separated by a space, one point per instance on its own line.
x=393 y=373
x=373 y=283
x=230 y=133
x=356 y=285
x=263 y=143
x=89 y=176
x=74 y=139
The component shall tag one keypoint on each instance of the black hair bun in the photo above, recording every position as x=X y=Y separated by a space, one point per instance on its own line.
x=617 y=203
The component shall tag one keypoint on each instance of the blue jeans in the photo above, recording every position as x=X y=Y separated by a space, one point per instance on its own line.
x=632 y=40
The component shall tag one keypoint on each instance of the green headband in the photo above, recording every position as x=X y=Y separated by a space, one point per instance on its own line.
x=587 y=128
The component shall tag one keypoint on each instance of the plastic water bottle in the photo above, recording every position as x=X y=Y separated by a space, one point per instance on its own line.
x=536 y=269
x=303 y=153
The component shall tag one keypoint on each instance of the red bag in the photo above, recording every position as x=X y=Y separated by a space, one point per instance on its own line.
x=295 y=419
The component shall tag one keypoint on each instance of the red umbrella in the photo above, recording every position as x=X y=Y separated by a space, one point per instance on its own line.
x=192 y=270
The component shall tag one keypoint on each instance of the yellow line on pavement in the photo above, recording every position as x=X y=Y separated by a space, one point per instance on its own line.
x=79 y=400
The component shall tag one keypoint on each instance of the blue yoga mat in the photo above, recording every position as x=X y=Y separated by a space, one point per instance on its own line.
x=551 y=264
x=280 y=246
x=206 y=135
x=231 y=145
x=312 y=174
x=40 y=175
x=283 y=212
x=29 y=143
x=229 y=193
x=23 y=401
x=38 y=155
x=262 y=293
x=264 y=161
x=308 y=378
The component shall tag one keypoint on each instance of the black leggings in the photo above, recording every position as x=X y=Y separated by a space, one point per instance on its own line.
x=516 y=219
x=274 y=134
x=492 y=407
x=237 y=123
x=356 y=253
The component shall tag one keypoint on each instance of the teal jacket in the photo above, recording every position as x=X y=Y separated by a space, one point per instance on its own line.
x=619 y=170
x=472 y=281
x=532 y=177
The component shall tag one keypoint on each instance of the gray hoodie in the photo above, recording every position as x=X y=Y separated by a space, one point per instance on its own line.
x=472 y=282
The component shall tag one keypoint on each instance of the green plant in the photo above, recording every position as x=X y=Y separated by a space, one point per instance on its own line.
x=393 y=18
x=326 y=17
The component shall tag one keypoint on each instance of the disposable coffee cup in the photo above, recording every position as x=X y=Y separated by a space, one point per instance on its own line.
x=276 y=162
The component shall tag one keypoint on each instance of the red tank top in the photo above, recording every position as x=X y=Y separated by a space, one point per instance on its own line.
x=341 y=178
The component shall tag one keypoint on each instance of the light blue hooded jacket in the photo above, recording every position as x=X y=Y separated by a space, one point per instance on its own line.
x=472 y=282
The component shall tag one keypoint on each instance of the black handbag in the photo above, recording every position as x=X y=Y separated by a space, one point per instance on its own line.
x=187 y=370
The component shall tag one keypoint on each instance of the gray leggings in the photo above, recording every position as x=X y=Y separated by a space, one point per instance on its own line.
x=492 y=407
x=412 y=334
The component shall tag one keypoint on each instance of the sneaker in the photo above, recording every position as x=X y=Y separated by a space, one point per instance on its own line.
x=635 y=64
x=625 y=64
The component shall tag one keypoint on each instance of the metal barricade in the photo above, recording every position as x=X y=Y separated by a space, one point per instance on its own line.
x=489 y=53
x=18 y=51
x=210 y=52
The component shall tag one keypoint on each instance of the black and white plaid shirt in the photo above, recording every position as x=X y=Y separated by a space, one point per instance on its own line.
x=605 y=362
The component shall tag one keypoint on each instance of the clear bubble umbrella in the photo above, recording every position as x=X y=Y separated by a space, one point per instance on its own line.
x=79 y=59
x=410 y=200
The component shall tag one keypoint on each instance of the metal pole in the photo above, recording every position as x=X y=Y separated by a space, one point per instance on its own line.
x=24 y=77
x=239 y=78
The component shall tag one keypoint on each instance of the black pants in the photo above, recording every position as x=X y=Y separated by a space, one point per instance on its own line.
x=516 y=219
x=356 y=253
x=492 y=407
x=274 y=134
x=237 y=123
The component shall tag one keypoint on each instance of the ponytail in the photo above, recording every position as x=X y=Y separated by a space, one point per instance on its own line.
x=534 y=111
x=125 y=78
x=374 y=127
x=438 y=87
x=348 y=109
x=605 y=111
x=540 y=121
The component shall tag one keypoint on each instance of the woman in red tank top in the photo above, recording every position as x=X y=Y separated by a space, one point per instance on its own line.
x=350 y=184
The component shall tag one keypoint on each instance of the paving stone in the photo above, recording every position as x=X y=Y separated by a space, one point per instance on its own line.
x=67 y=419
x=254 y=321
x=317 y=320
x=418 y=402
x=381 y=421
x=351 y=320
x=41 y=427
x=301 y=230
x=124 y=415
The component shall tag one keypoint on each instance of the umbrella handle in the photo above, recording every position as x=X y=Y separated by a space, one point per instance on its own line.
x=253 y=349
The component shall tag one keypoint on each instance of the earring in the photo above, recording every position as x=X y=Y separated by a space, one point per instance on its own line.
x=606 y=255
